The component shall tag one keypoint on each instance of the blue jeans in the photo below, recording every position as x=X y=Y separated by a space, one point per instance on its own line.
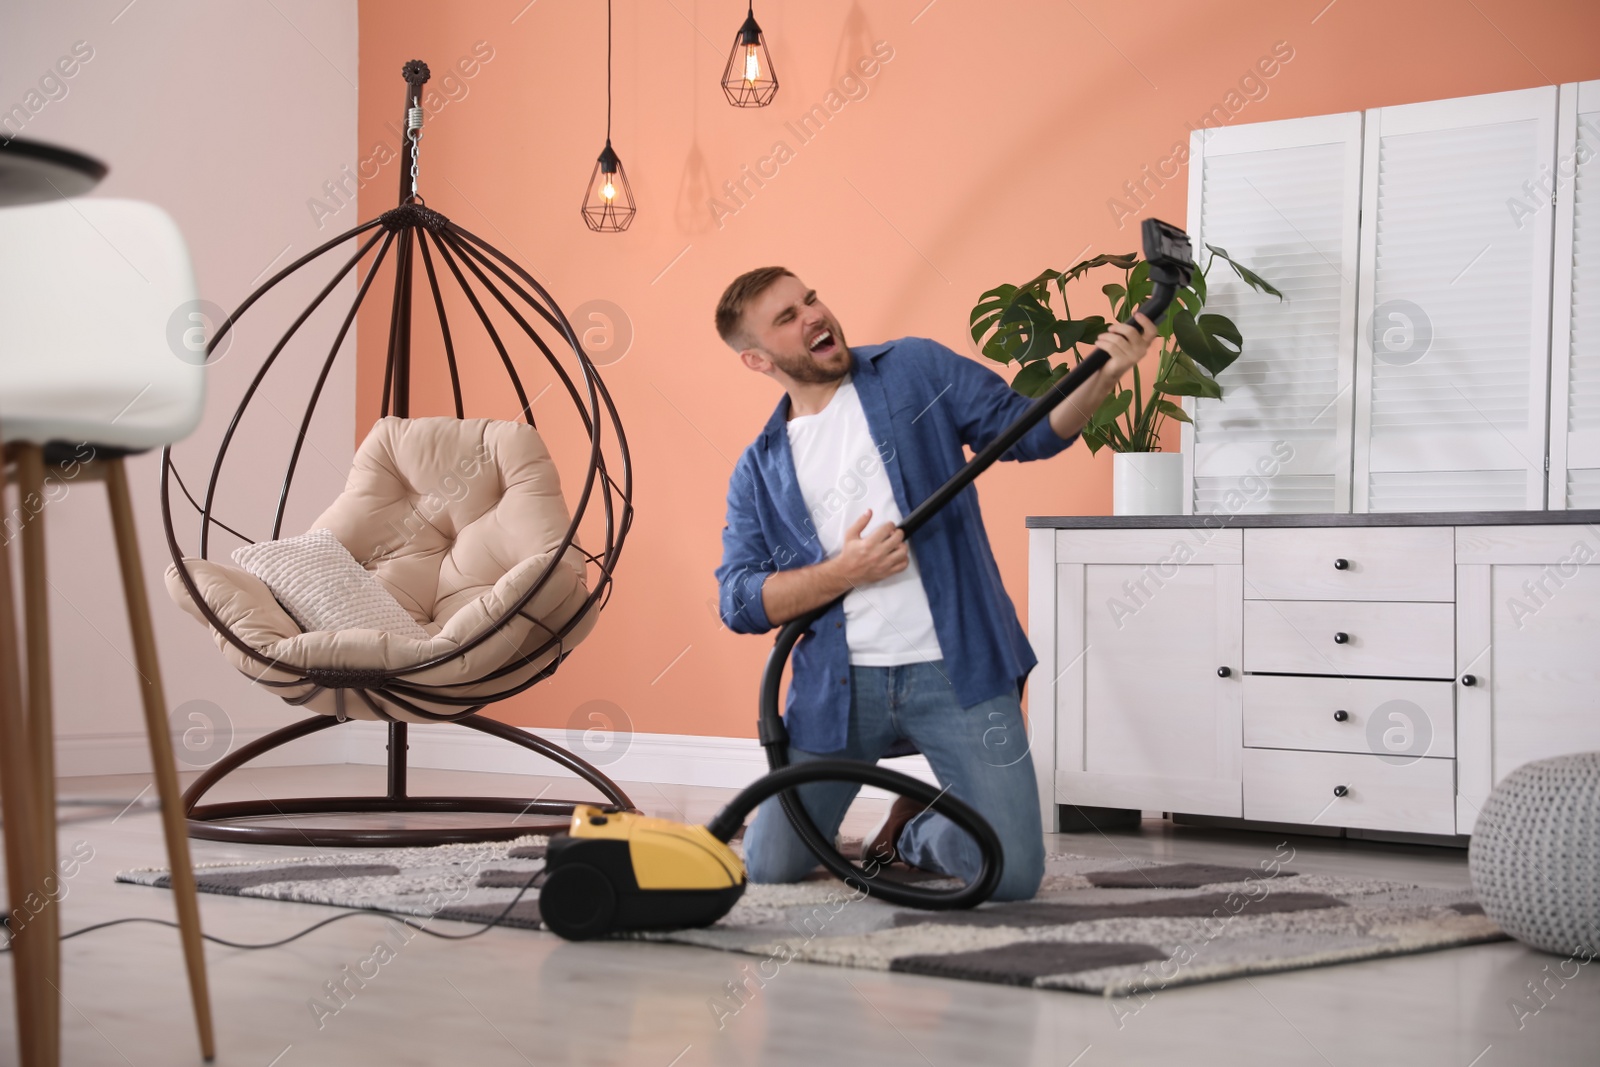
x=980 y=753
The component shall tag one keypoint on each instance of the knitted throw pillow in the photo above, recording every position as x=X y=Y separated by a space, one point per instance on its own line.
x=322 y=587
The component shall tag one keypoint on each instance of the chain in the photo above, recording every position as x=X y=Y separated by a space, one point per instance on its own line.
x=414 y=129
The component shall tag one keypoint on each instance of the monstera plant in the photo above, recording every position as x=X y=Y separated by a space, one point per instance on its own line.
x=1018 y=324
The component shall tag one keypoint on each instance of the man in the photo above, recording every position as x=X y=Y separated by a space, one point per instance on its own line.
x=925 y=652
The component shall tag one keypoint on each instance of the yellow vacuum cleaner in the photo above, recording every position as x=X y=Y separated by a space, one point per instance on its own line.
x=619 y=870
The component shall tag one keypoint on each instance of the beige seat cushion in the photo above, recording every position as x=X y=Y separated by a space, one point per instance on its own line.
x=457 y=519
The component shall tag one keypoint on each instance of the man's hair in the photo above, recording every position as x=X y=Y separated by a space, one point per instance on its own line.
x=743 y=289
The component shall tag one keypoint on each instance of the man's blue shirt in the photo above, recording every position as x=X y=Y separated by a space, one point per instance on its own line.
x=923 y=403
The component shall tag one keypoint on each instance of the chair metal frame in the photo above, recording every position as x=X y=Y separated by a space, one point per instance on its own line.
x=408 y=229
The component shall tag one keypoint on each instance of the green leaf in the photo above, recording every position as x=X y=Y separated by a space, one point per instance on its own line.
x=1189 y=300
x=1002 y=346
x=986 y=313
x=1034 y=379
x=1111 y=408
x=1031 y=325
x=1251 y=278
x=1114 y=293
x=1192 y=340
x=1093 y=327
x=1226 y=341
x=1171 y=410
x=1198 y=284
x=1122 y=262
x=1139 y=285
x=1213 y=340
x=1184 y=378
x=1039 y=284
x=1073 y=331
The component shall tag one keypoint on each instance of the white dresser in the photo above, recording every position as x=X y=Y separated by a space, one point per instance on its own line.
x=1374 y=672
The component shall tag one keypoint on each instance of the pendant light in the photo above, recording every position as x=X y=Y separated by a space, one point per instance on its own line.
x=749 y=80
x=608 y=202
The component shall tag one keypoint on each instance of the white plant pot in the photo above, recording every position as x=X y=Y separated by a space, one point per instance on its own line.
x=1147 y=483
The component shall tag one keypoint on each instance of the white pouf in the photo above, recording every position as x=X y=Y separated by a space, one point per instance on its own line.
x=1535 y=854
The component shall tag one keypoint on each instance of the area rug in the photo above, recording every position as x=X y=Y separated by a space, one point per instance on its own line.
x=1096 y=926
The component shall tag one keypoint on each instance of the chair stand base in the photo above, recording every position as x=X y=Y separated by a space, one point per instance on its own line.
x=230 y=821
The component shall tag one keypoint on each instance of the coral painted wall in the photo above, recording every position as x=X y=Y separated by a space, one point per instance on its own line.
x=990 y=141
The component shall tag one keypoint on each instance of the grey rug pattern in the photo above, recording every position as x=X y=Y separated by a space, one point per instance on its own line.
x=1096 y=926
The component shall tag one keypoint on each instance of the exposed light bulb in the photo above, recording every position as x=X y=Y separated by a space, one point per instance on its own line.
x=750 y=78
x=609 y=191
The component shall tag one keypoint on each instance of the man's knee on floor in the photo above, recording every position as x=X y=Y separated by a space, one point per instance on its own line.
x=1023 y=872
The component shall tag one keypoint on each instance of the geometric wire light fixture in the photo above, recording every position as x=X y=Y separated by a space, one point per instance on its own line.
x=516 y=323
x=608 y=205
x=749 y=79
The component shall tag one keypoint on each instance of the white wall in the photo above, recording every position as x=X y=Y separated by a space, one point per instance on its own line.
x=230 y=116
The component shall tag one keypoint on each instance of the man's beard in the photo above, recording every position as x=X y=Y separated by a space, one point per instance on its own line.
x=802 y=367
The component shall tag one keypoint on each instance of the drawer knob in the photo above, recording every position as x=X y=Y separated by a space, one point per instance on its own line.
x=1223 y=672
x=1341 y=790
x=1341 y=638
x=1469 y=679
x=1341 y=564
x=1341 y=715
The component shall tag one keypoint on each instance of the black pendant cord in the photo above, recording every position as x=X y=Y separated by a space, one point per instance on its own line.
x=608 y=73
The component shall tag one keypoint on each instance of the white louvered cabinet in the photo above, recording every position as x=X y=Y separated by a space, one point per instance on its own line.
x=1575 y=303
x=1439 y=349
x=1452 y=364
x=1283 y=198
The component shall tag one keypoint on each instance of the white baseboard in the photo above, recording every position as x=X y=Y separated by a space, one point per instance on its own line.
x=80 y=755
x=663 y=759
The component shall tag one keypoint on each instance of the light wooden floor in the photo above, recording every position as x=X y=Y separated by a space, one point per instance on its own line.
x=515 y=997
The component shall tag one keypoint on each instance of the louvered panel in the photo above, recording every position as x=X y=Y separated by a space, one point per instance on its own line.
x=1448 y=491
x=1278 y=211
x=1583 y=487
x=1247 y=494
x=1432 y=188
x=1583 y=338
x=1452 y=365
x=1282 y=198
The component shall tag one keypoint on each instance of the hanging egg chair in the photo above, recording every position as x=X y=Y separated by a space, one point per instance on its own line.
x=460 y=520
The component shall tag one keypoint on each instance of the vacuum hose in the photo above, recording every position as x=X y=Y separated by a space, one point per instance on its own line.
x=1167 y=251
x=786 y=778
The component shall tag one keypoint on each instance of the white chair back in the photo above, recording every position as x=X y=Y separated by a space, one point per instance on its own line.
x=100 y=335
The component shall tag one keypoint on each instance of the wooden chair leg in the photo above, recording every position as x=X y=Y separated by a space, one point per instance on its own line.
x=17 y=798
x=166 y=771
x=41 y=737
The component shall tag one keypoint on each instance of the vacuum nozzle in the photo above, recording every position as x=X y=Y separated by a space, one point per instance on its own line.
x=1166 y=249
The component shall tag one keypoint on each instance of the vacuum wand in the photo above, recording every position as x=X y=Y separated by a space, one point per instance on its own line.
x=1170 y=268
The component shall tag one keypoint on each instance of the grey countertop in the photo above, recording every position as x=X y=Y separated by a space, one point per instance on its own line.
x=1415 y=518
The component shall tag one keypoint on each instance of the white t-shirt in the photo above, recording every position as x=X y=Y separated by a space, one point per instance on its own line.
x=887 y=623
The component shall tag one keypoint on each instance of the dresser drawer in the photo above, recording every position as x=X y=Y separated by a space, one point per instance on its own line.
x=1347 y=563
x=1350 y=638
x=1299 y=787
x=1368 y=715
